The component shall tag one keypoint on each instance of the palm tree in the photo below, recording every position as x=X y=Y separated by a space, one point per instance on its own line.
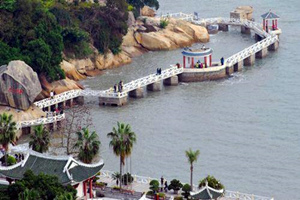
x=122 y=139
x=88 y=145
x=192 y=156
x=7 y=131
x=116 y=176
x=40 y=140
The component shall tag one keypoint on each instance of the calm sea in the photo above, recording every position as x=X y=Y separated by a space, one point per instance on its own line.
x=246 y=126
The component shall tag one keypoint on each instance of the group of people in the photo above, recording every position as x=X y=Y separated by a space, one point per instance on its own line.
x=164 y=184
x=119 y=87
x=158 y=71
x=199 y=64
x=19 y=157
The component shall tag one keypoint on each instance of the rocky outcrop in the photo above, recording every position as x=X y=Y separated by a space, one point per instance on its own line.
x=19 y=85
x=57 y=86
x=147 y=11
x=177 y=34
x=71 y=71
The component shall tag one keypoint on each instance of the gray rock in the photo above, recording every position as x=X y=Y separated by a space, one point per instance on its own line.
x=19 y=85
x=131 y=19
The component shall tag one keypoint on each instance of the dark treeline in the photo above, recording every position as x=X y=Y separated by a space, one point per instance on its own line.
x=38 y=31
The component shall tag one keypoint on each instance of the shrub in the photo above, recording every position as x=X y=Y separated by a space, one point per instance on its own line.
x=126 y=179
x=116 y=188
x=161 y=194
x=163 y=23
x=150 y=193
x=154 y=186
x=130 y=8
x=178 y=198
x=11 y=160
x=186 y=188
x=175 y=185
x=212 y=182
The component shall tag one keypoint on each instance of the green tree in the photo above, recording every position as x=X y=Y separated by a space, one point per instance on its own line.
x=175 y=185
x=28 y=195
x=8 y=54
x=40 y=140
x=122 y=140
x=88 y=145
x=116 y=176
x=154 y=186
x=212 y=182
x=45 y=186
x=186 y=190
x=7 y=5
x=7 y=131
x=192 y=157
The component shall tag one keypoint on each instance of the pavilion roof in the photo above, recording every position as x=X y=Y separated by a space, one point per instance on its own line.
x=269 y=15
x=207 y=192
x=67 y=169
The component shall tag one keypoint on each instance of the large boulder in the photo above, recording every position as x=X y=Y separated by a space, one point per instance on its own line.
x=19 y=85
x=147 y=11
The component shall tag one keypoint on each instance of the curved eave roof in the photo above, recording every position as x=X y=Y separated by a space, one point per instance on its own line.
x=67 y=169
x=199 y=53
x=270 y=15
x=207 y=192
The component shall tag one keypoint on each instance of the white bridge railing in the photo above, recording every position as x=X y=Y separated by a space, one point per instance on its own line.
x=243 y=196
x=44 y=120
x=228 y=194
x=152 y=78
x=240 y=56
x=141 y=82
x=58 y=98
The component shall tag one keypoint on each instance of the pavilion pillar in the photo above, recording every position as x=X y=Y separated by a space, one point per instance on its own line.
x=91 y=188
x=183 y=61
x=192 y=62
x=267 y=28
x=205 y=61
x=276 y=23
x=210 y=60
x=264 y=24
x=273 y=25
x=84 y=189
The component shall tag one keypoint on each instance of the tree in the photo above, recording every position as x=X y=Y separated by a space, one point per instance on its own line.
x=42 y=185
x=212 y=182
x=7 y=131
x=40 y=140
x=88 y=145
x=28 y=195
x=186 y=190
x=192 y=157
x=77 y=117
x=122 y=140
x=175 y=185
x=154 y=186
x=116 y=176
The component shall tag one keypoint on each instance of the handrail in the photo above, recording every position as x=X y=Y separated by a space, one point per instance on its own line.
x=44 y=120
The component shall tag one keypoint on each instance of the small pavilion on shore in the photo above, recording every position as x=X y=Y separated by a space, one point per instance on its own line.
x=199 y=58
x=67 y=169
x=267 y=17
x=207 y=192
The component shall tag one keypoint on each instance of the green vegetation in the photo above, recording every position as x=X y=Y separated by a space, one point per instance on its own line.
x=38 y=31
x=163 y=23
x=122 y=139
x=88 y=145
x=40 y=140
x=154 y=186
x=212 y=182
x=117 y=177
x=192 y=157
x=127 y=179
x=11 y=160
x=7 y=131
x=38 y=187
x=138 y=4
x=175 y=185
x=186 y=190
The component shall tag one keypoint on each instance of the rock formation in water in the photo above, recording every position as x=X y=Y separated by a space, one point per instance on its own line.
x=19 y=85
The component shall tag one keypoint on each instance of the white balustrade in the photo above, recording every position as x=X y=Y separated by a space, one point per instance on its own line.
x=43 y=120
